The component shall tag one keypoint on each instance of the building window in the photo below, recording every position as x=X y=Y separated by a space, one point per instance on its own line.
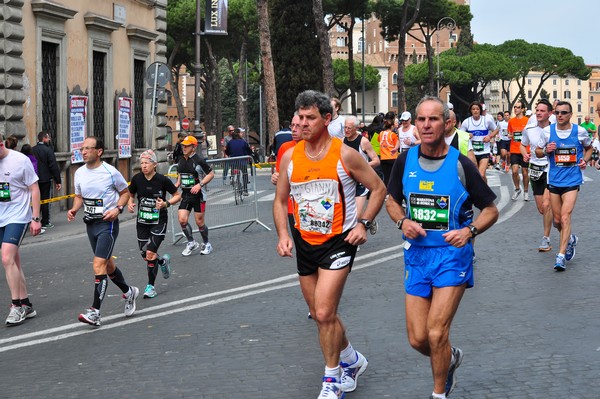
x=578 y=107
x=578 y=82
x=528 y=81
x=50 y=65
x=361 y=47
x=339 y=28
x=395 y=99
x=98 y=94
x=566 y=82
x=529 y=94
x=340 y=42
x=554 y=82
x=579 y=95
x=395 y=78
x=555 y=94
x=567 y=94
x=139 y=69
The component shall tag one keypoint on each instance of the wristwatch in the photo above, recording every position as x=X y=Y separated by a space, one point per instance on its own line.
x=473 y=230
x=366 y=222
x=400 y=222
x=120 y=208
x=35 y=219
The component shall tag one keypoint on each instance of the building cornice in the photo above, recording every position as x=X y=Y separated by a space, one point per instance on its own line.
x=135 y=32
x=101 y=23
x=49 y=9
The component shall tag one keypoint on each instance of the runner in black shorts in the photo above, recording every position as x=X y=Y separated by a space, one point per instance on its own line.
x=151 y=189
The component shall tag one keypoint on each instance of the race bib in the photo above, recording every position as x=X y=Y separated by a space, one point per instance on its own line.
x=478 y=146
x=431 y=211
x=517 y=136
x=93 y=208
x=4 y=192
x=565 y=157
x=187 y=180
x=536 y=171
x=147 y=213
x=316 y=201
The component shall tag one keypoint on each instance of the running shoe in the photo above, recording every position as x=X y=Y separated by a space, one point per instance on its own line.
x=374 y=227
x=165 y=267
x=309 y=316
x=497 y=167
x=545 y=245
x=42 y=231
x=351 y=372
x=15 y=316
x=526 y=196
x=570 y=253
x=150 y=292
x=516 y=194
x=560 y=264
x=91 y=316
x=457 y=357
x=48 y=226
x=190 y=247
x=331 y=389
x=206 y=249
x=130 y=300
x=30 y=312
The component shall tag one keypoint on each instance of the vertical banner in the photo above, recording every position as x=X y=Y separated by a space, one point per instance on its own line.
x=125 y=127
x=215 y=21
x=77 y=124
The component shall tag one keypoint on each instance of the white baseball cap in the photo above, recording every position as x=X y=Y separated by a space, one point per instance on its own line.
x=483 y=107
x=405 y=116
x=528 y=112
x=450 y=105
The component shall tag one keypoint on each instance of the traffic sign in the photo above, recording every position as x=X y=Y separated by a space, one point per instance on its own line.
x=158 y=74
x=185 y=124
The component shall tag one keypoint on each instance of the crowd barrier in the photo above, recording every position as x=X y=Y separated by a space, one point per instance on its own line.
x=231 y=196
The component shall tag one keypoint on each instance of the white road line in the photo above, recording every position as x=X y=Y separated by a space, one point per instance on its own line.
x=279 y=284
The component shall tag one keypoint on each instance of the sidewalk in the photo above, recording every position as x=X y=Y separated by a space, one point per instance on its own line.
x=63 y=228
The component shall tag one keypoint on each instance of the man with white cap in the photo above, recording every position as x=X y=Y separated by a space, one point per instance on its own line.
x=193 y=173
x=407 y=132
x=151 y=189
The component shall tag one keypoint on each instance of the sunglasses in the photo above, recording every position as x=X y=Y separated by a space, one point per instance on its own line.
x=561 y=112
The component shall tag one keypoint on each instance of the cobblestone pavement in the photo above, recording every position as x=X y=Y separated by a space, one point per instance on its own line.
x=233 y=324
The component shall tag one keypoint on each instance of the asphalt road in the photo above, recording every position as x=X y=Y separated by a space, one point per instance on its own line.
x=233 y=324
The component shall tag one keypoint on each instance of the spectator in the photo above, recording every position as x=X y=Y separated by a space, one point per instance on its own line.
x=27 y=150
x=282 y=136
x=47 y=171
x=178 y=150
x=238 y=147
x=11 y=142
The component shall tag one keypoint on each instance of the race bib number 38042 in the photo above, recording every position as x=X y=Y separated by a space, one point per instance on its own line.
x=316 y=201
x=430 y=211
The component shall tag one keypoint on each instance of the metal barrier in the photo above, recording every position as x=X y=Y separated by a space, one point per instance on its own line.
x=231 y=197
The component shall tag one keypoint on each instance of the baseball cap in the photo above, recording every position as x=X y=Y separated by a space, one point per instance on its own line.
x=150 y=155
x=189 y=140
x=483 y=107
x=405 y=116
x=450 y=105
x=528 y=112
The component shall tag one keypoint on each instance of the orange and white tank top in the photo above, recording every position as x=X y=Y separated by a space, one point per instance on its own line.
x=387 y=141
x=323 y=193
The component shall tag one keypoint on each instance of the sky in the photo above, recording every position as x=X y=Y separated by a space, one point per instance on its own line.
x=570 y=24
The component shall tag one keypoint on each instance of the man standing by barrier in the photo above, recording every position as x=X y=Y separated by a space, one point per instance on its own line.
x=47 y=171
x=569 y=149
x=439 y=185
x=321 y=174
x=102 y=192
x=193 y=173
x=19 y=193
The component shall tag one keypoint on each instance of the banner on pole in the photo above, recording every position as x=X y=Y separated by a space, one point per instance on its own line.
x=216 y=17
x=77 y=125
x=125 y=126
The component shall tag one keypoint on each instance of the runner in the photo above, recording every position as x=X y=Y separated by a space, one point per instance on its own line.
x=568 y=147
x=193 y=173
x=151 y=189
x=538 y=168
x=102 y=192
x=321 y=174
x=440 y=186
x=19 y=193
x=407 y=132
x=388 y=145
x=516 y=125
x=483 y=130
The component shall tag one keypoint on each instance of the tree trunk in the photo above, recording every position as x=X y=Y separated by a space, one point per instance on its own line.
x=323 y=35
x=175 y=81
x=352 y=81
x=242 y=96
x=405 y=27
x=268 y=70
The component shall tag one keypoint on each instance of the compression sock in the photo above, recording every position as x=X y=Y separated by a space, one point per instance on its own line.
x=152 y=271
x=26 y=302
x=204 y=233
x=187 y=231
x=117 y=278
x=99 y=291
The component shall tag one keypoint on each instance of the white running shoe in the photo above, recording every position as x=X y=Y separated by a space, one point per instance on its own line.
x=130 y=300
x=91 y=316
x=526 y=196
x=331 y=389
x=165 y=268
x=351 y=372
x=516 y=194
x=206 y=249
x=190 y=247
x=15 y=316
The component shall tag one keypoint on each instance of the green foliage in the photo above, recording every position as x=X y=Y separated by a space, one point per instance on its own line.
x=341 y=72
x=295 y=50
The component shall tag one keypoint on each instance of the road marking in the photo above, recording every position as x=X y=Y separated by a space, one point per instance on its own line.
x=147 y=313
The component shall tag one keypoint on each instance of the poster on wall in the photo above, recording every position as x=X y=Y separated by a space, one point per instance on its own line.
x=215 y=22
x=77 y=124
x=211 y=144
x=125 y=127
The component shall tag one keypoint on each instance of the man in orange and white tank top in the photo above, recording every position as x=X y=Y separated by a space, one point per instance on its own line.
x=407 y=132
x=320 y=174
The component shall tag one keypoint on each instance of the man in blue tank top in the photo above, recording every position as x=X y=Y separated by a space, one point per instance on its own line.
x=569 y=149
x=440 y=187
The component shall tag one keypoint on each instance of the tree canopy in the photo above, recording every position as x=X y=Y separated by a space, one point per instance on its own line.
x=341 y=72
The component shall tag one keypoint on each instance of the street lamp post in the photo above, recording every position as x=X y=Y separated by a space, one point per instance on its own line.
x=444 y=23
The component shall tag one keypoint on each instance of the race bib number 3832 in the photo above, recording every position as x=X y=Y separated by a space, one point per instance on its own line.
x=316 y=201
x=431 y=211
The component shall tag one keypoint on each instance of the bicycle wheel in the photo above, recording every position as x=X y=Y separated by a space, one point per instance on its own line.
x=237 y=189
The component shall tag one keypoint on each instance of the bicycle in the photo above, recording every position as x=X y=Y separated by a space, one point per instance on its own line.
x=236 y=183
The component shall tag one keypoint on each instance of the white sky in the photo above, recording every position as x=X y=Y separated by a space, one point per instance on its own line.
x=570 y=24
